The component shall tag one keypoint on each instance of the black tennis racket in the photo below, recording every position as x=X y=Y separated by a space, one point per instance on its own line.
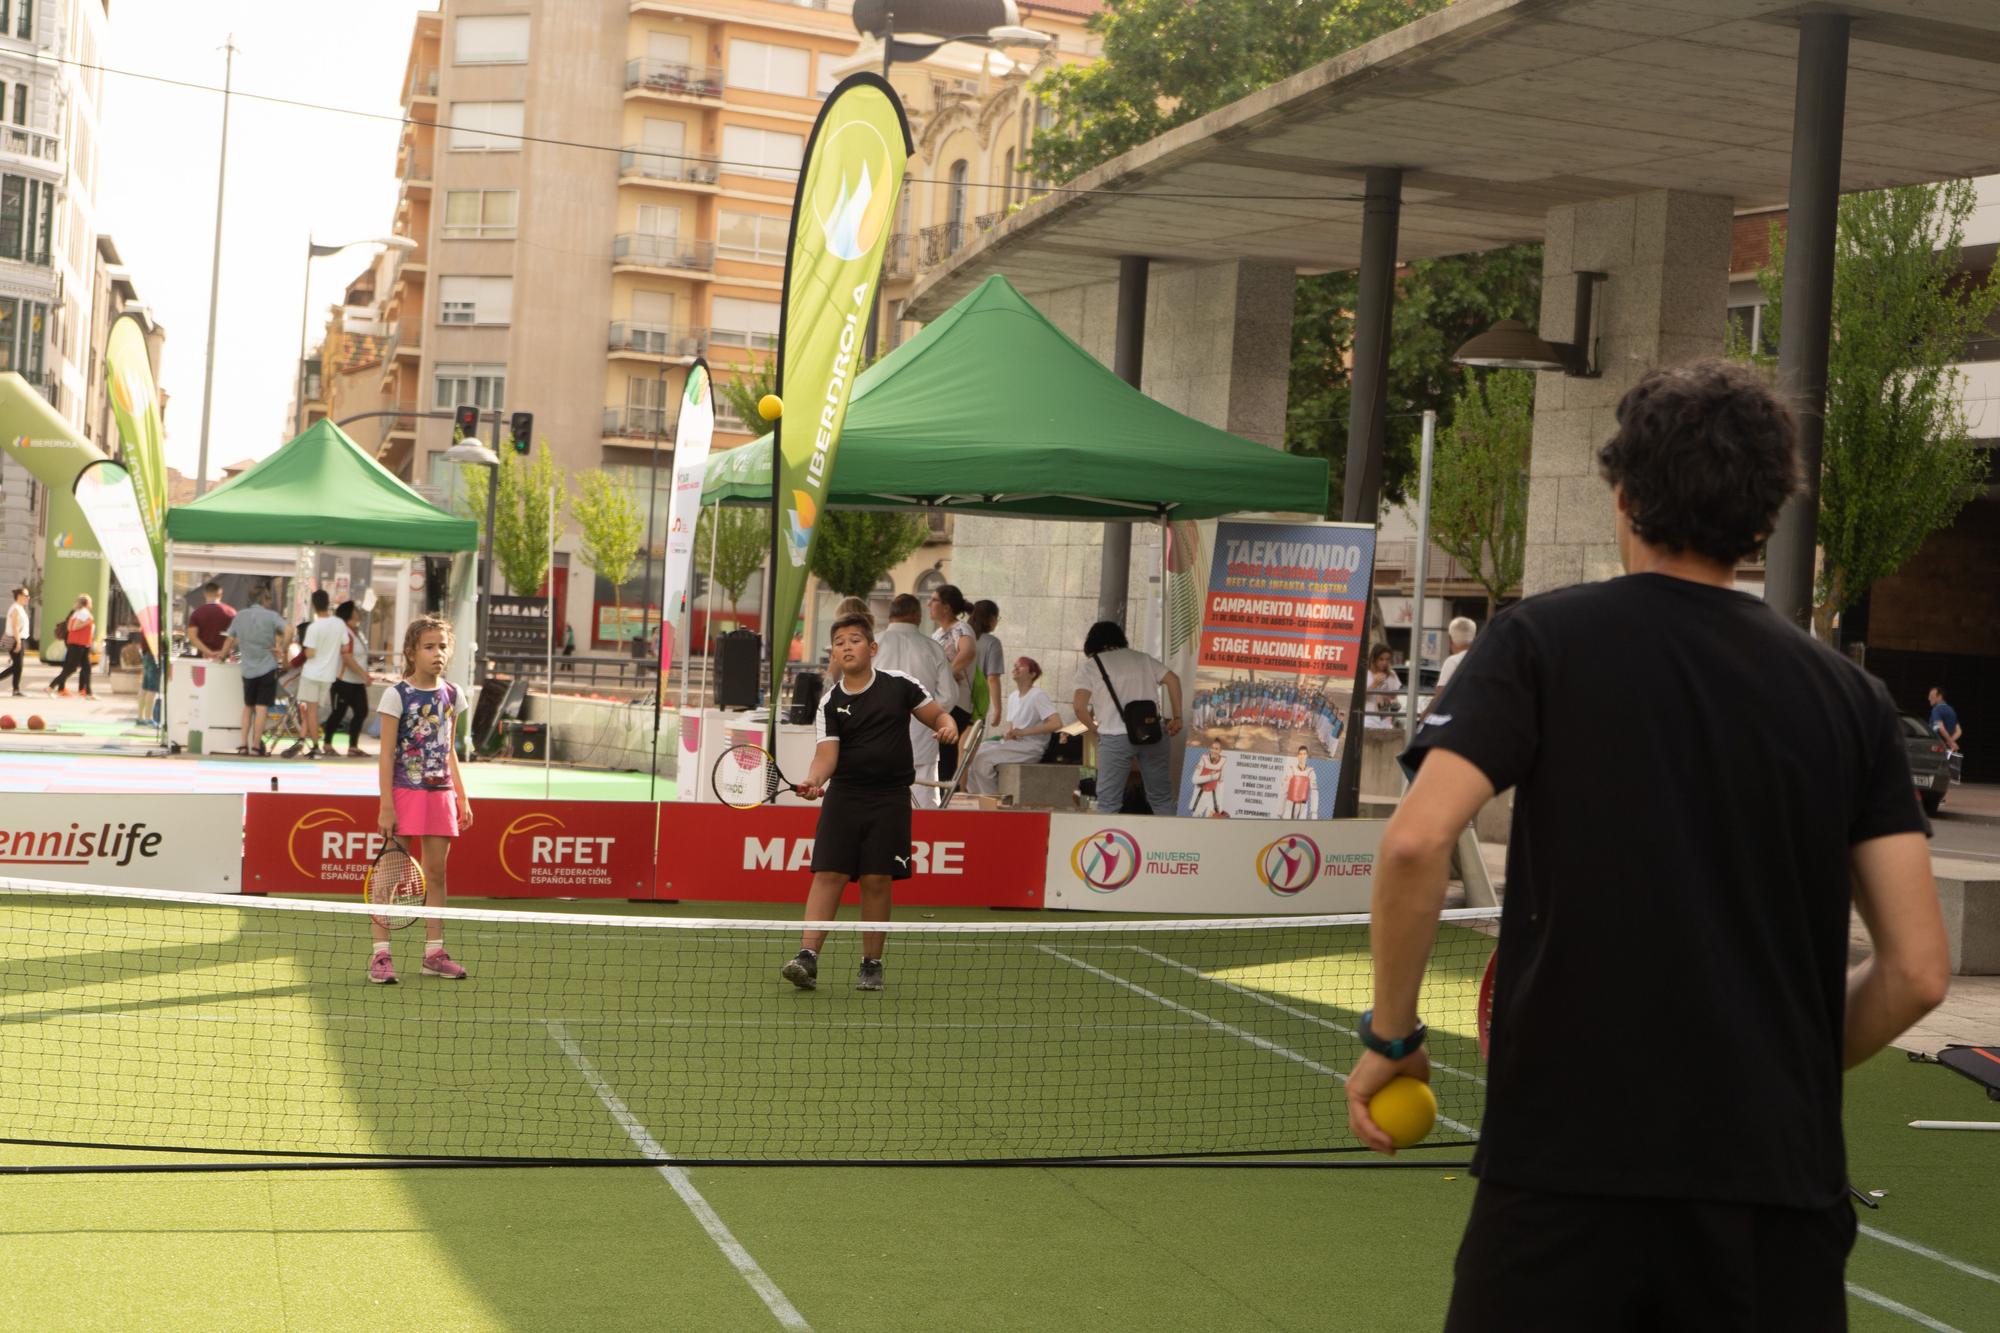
x=747 y=776
x=396 y=880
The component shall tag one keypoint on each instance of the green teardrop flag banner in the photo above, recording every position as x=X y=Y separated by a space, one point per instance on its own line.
x=853 y=175
x=135 y=404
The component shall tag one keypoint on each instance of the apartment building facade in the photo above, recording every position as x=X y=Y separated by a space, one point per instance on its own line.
x=600 y=191
x=50 y=94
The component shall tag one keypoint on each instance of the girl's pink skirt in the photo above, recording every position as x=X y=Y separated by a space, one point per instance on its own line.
x=428 y=812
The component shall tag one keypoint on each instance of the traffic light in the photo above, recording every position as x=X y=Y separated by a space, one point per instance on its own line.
x=465 y=423
x=521 y=430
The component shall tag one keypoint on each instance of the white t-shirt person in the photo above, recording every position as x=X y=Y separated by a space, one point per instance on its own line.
x=326 y=640
x=1136 y=675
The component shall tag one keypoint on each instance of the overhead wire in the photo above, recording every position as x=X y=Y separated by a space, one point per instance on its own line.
x=643 y=150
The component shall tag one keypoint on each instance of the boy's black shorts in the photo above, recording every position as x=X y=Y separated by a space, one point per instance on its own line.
x=1537 y=1260
x=864 y=831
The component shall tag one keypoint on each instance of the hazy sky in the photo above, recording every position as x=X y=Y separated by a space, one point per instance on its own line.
x=293 y=173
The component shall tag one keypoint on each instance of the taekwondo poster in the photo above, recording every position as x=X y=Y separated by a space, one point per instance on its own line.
x=1280 y=643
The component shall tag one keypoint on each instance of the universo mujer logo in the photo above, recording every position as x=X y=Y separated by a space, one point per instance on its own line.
x=1107 y=860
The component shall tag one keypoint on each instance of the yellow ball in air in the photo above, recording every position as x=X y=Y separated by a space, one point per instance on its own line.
x=770 y=407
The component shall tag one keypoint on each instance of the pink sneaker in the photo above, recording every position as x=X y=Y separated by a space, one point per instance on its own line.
x=381 y=970
x=437 y=963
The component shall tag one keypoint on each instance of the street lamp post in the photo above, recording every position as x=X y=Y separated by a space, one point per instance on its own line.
x=470 y=450
x=314 y=250
x=1007 y=34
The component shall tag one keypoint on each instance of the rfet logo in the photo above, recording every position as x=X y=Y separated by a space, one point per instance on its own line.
x=544 y=855
x=333 y=842
x=1289 y=864
x=1107 y=860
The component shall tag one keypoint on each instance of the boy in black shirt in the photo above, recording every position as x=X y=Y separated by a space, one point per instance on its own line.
x=1697 y=784
x=864 y=828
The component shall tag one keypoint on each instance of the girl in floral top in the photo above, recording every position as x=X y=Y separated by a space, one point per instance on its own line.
x=423 y=800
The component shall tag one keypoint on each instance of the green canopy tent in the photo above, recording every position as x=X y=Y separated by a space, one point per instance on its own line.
x=993 y=410
x=321 y=489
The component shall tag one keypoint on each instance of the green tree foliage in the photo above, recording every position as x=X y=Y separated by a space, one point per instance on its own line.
x=1440 y=304
x=1479 y=482
x=747 y=384
x=521 y=536
x=853 y=550
x=1167 y=62
x=732 y=556
x=607 y=511
x=1897 y=463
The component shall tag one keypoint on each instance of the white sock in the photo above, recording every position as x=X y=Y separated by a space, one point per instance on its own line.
x=381 y=946
x=433 y=946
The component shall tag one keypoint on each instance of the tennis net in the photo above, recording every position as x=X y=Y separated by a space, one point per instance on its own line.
x=238 y=1025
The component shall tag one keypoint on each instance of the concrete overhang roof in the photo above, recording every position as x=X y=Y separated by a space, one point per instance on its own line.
x=1499 y=110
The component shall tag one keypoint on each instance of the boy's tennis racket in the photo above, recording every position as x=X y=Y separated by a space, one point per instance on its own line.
x=1486 y=1008
x=394 y=879
x=747 y=776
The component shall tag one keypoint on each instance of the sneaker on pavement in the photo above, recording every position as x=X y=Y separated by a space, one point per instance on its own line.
x=437 y=963
x=802 y=971
x=870 y=975
x=381 y=970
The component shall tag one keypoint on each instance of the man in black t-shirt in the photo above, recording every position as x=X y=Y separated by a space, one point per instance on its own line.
x=1697 y=783
x=864 y=827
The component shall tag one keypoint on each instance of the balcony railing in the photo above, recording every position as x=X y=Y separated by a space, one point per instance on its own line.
x=424 y=81
x=654 y=251
x=24 y=142
x=653 y=164
x=742 y=338
x=638 y=423
x=658 y=339
x=667 y=76
x=397 y=337
x=937 y=244
x=417 y=166
x=898 y=258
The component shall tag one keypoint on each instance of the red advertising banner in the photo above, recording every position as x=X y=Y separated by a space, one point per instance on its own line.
x=963 y=858
x=515 y=849
x=1270 y=652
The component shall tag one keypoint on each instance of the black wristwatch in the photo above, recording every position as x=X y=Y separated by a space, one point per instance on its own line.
x=1395 y=1049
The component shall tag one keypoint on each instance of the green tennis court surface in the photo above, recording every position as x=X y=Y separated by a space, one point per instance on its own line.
x=752 y=1248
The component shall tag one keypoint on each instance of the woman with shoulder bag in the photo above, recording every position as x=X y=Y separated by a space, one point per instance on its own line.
x=1117 y=697
x=79 y=630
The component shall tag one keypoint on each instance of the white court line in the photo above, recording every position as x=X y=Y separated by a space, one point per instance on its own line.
x=1897 y=1307
x=760 y=1281
x=1282 y=1007
x=449 y=1020
x=1970 y=1270
x=1241 y=1034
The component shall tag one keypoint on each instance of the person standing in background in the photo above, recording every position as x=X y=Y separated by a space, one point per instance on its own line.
x=989 y=663
x=903 y=646
x=258 y=634
x=208 y=624
x=1115 y=676
x=79 y=629
x=350 y=688
x=1461 y=630
x=14 y=641
x=949 y=612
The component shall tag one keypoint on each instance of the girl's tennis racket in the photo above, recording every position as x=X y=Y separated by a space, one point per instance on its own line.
x=747 y=776
x=394 y=879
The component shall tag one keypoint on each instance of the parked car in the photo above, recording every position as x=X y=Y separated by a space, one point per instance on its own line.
x=1930 y=763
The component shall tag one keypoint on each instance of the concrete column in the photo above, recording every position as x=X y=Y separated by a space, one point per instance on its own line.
x=1664 y=301
x=1218 y=348
x=1114 y=569
x=1368 y=408
x=1818 y=114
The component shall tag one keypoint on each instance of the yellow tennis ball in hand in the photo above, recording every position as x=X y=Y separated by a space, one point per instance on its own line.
x=1405 y=1109
x=770 y=407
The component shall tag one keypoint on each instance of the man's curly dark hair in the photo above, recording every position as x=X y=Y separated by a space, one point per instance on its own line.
x=1706 y=454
